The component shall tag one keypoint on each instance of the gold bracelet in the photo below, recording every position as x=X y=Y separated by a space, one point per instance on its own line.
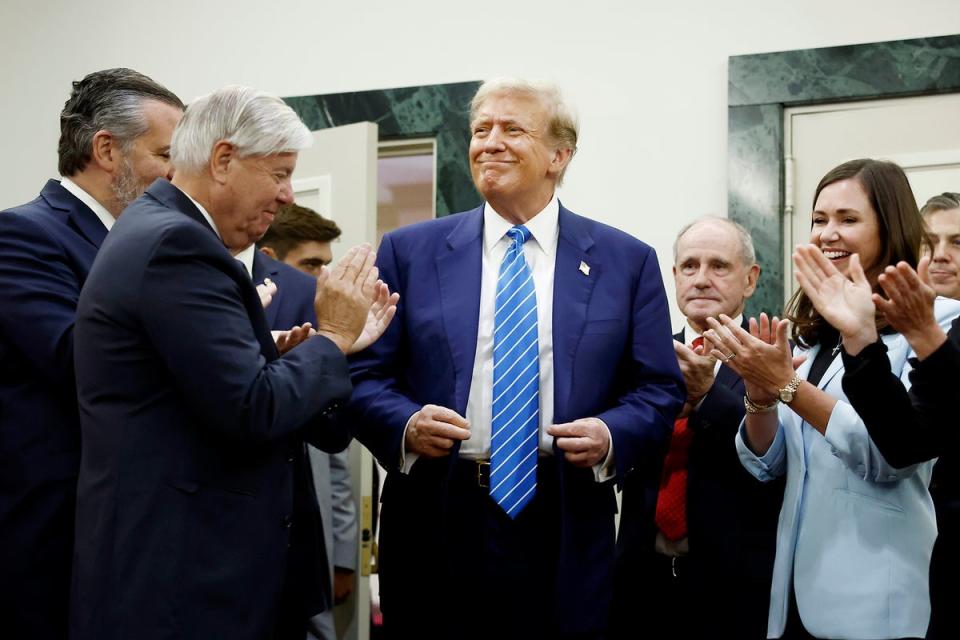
x=753 y=407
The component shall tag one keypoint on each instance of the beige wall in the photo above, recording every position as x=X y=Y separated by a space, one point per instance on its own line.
x=648 y=78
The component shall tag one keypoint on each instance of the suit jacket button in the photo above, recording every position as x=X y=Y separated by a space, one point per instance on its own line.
x=286 y=522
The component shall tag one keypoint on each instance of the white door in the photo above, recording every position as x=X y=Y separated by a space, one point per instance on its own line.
x=920 y=134
x=337 y=177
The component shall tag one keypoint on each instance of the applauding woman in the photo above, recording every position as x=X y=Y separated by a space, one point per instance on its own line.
x=855 y=533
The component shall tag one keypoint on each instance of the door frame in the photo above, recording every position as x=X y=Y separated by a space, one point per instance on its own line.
x=761 y=86
x=438 y=111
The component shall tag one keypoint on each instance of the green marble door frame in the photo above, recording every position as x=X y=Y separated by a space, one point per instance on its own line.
x=439 y=111
x=761 y=86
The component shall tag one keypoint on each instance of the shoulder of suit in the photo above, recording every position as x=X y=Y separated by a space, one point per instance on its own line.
x=609 y=236
x=440 y=226
x=154 y=223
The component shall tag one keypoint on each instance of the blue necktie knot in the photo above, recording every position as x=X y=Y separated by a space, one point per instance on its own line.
x=519 y=234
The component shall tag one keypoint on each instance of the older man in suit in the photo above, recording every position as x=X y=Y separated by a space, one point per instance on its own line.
x=193 y=514
x=115 y=134
x=696 y=557
x=530 y=365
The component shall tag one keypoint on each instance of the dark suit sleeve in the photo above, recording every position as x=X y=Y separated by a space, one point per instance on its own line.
x=194 y=316
x=720 y=413
x=381 y=403
x=40 y=293
x=653 y=388
x=907 y=427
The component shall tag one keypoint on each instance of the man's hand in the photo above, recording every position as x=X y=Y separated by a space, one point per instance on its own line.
x=697 y=369
x=584 y=442
x=342 y=584
x=381 y=312
x=910 y=307
x=434 y=430
x=287 y=340
x=267 y=290
x=345 y=295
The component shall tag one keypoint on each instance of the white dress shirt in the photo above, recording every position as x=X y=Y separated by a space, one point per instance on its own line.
x=246 y=258
x=540 y=252
x=101 y=211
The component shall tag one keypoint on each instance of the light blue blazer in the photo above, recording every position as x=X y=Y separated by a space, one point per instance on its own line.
x=855 y=534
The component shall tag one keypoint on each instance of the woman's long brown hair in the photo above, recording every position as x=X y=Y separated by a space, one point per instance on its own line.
x=901 y=233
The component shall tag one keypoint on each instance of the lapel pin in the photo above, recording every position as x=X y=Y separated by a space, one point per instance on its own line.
x=584 y=268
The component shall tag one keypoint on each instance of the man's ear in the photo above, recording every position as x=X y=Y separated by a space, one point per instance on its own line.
x=752 y=276
x=105 y=151
x=268 y=251
x=221 y=156
x=561 y=158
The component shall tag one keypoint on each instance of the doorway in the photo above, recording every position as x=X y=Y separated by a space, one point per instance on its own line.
x=921 y=134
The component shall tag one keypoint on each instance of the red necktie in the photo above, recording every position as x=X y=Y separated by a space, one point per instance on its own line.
x=671 y=515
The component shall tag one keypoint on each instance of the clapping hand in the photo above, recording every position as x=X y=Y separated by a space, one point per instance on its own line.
x=846 y=303
x=909 y=308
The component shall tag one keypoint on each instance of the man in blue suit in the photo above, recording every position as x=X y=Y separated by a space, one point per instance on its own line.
x=193 y=504
x=115 y=134
x=530 y=365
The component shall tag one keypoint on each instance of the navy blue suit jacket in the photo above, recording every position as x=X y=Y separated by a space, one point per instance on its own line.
x=731 y=529
x=293 y=304
x=190 y=427
x=612 y=359
x=46 y=249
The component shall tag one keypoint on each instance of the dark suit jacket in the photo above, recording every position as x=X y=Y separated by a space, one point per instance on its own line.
x=731 y=526
x=612 y=359
x=191 y=426
x=46 y=249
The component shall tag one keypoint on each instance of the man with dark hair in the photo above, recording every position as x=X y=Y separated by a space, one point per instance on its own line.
x=115 y=132
x=301 y=238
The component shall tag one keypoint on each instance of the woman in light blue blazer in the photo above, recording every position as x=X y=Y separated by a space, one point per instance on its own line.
x=855 y=534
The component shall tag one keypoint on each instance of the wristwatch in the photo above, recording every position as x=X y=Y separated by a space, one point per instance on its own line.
x=789 y=392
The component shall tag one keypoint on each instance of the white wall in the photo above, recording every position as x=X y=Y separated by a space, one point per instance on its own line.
x=649 y=80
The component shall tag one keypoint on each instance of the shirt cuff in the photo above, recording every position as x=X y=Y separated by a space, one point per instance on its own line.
x=407 y=459
x=607 y=469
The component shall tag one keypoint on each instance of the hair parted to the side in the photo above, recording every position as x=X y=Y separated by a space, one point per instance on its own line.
x=944 y=202
x=747 y=253
x=901 y=234
x=562 y=124
x=254 y=122
x=109 y=100
x=293 y=225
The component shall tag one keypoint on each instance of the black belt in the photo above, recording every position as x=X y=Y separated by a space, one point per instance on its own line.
x=476 y=473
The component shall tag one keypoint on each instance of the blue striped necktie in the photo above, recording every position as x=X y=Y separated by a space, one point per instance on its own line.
x=516 y=382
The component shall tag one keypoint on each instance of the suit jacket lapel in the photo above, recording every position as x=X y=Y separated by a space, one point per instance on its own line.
x=571 y=298
x=85 y=220
x=835 y=366
x=459 y=272
x=263 y=268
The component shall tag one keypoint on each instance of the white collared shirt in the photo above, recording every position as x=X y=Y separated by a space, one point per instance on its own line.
x=92 y=203
x=540 y=252
x=203 y=212
x=246 y=258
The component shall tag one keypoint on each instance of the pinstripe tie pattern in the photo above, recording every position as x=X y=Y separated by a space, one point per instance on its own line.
x=516 y=382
